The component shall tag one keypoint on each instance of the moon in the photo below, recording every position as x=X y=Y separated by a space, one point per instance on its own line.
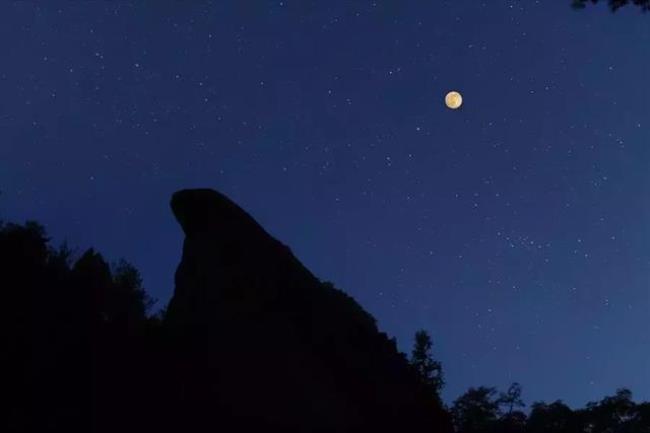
x=453 y=100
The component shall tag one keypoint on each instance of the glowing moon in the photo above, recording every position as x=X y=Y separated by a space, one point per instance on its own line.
x=453 y=100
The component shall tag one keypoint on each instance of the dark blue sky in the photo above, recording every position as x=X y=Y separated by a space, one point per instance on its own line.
x=516 y=230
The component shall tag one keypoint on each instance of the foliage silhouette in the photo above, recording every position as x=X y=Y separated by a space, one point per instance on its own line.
x=552 y=418
x=511 y=399
x=476 y=411
x=429 y=370
x=644 y=5
x=72 y=329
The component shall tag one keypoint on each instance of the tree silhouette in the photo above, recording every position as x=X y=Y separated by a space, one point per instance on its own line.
x=640 y=421
x=614 y=4
x=511 y=420
x=476 y=411
x=429 y=370
x=130 y=293
x=611 y=414
x=73 y=334
x=551 y=418
x=511 y=399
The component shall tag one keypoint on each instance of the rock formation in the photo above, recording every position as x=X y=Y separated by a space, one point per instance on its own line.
x=262 y=343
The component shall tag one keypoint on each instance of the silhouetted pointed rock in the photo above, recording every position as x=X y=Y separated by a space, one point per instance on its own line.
x=279 y=348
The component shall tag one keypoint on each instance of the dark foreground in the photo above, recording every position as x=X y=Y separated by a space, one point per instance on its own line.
x=250 y=341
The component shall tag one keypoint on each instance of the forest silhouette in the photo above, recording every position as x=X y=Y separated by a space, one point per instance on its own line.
x=614 y=5
x=250 y=341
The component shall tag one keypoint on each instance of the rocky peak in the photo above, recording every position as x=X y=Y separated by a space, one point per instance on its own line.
x=283 y=347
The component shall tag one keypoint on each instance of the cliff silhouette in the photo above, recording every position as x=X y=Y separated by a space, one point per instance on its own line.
x=250 y=341
x=283 y=346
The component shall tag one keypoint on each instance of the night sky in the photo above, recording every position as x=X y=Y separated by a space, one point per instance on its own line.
x=516 y=230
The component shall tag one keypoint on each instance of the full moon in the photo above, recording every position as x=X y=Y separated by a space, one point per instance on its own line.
x=453 y=100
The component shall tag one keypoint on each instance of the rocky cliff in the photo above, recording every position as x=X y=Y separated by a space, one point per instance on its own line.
x=262 y=343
